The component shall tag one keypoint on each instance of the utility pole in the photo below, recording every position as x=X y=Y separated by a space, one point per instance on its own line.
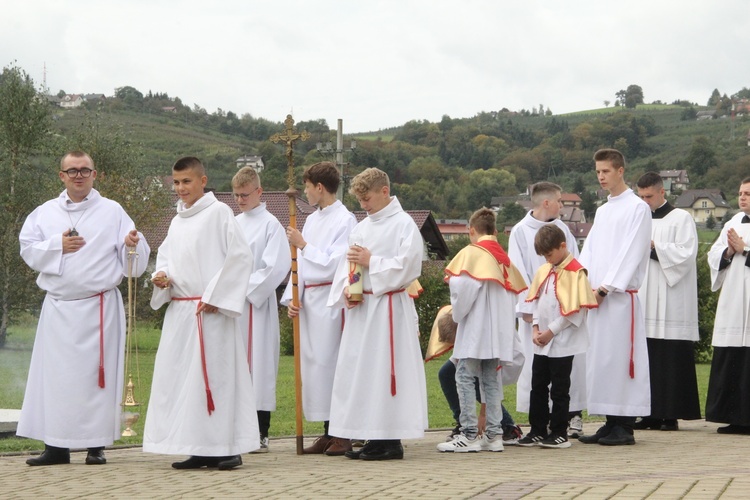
x=338 y=154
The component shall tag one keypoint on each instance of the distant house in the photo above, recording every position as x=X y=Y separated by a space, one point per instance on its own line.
x=453 y=228
x=169 y=109
x=580 y=230
x=674 y=180
x=570 y=200
x=706 y=115
x=573 y=214
x=94 y=98
x=255 y=162
x=702 y=203
x=71 y=101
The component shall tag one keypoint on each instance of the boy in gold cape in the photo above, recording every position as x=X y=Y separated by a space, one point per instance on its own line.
x=562 y=294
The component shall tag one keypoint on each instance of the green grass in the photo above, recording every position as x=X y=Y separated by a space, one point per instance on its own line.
x=14 y=365
x=706 y=236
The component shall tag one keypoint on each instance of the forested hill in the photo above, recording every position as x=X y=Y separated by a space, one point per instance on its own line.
x=453 y=166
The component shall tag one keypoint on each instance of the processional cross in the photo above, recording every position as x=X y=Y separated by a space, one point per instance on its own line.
x=289 y=137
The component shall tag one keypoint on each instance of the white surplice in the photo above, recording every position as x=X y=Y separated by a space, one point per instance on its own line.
x=326 y=232
x=206 y=256
x=64 y=405
x=486 y=325
x=259 y=322
x=363 y=404
x=731 y=324
x=524 y=257
x=669 y=293
x=616 y=254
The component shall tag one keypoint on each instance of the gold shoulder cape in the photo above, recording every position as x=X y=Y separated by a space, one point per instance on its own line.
x=436 y=347
x=478 y=263
x=572 y=287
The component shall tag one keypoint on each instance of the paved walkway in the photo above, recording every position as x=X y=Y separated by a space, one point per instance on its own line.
x=694 y=463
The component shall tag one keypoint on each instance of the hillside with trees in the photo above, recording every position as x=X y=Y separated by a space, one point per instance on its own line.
x=457 y=164
x=451 y=167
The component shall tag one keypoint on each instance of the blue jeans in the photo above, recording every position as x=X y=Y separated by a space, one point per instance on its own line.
x=486 y=370
x=447 y=378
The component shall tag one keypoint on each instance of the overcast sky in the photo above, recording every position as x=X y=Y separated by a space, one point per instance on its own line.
x=378 y=64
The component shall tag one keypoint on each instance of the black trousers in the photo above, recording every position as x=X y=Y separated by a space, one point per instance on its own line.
x=550 y=379
x=264 y=422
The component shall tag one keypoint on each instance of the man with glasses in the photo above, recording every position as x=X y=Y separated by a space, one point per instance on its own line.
x=79 y=244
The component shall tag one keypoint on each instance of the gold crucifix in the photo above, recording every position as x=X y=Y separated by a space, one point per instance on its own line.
x=290 y=136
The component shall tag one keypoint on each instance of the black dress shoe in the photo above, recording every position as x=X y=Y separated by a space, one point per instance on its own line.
x=196 y=462
x=229 y=463
x=51 y=455
x=390 y=451
x=670 y=425
x=734 y=429
x=95 y=456
x=368 y=447
x=648 y=423
x=618 y=437
x=603 y=431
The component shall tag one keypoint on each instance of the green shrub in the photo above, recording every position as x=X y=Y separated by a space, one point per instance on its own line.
x=707 y=301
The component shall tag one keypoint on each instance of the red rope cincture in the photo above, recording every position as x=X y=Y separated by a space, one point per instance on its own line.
x=101 y=338
x=315 y=285
x=209 y=398
x=390 y=326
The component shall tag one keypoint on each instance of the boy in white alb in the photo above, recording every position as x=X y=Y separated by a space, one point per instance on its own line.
x=483 y=284
x=561 y=295
x=322 y=245
x=616 y=255
x=202 y=402
x=546 y=199
x=379 y=390
x=259 y=322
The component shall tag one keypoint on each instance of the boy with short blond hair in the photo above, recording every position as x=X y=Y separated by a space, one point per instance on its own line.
x=259 y=322
x=379 y=390
x=561 y=295
x=322 y=245
x=483 y=285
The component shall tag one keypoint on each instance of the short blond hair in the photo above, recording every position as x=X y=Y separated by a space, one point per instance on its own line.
x=245 y=176
x=370 y=179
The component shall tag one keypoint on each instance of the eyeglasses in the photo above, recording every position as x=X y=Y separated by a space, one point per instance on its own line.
x=74 y=172
x=244 y=196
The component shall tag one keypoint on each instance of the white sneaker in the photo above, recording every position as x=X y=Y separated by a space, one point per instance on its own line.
x=461 y=444
x=491 y=444
x=575 y=427
x=263 y=446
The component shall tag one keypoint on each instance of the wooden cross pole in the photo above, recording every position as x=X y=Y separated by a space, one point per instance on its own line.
x=289 y=137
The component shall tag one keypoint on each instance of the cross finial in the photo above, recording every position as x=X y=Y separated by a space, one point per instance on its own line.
x=290 y=136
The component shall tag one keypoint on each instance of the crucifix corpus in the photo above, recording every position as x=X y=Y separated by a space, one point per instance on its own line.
x=289 y=137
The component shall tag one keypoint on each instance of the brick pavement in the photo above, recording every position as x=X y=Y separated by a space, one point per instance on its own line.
x=693 y=463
